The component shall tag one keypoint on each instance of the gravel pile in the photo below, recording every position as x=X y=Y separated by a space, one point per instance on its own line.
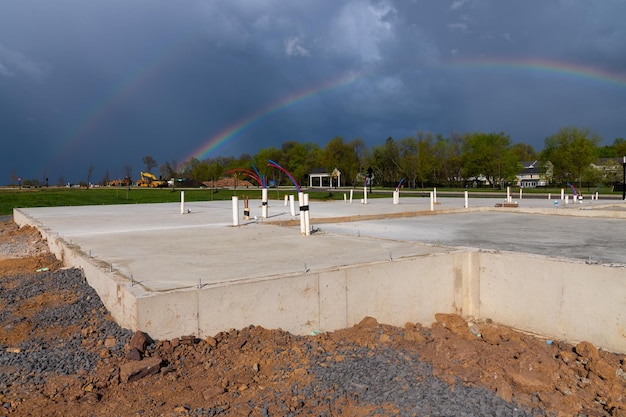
x=388 y=376
x=64 y=353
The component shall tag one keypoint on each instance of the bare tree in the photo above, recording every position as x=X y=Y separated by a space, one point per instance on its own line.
x=89 y=174
x=149 y=162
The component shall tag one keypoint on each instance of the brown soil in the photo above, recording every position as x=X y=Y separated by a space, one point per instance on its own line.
x=238 y=370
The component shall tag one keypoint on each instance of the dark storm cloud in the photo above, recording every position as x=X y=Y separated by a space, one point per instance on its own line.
x=105 y=83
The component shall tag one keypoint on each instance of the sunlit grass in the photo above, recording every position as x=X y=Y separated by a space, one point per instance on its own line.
x=11 y=198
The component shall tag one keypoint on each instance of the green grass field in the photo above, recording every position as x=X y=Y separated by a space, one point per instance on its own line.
x=11 y=198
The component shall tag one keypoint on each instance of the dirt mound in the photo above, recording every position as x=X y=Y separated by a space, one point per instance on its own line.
x=61 y=354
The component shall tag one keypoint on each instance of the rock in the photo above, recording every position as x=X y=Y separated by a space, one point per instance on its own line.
x=568 y=356
x=368 y=322
x=474 y=329
x=139 y=341
x=529 y=382
x=211 y=341
x=414 y=336
x=453 y=322
x=110 y=342
x=133 y=355
x=187 y=340
x=491 y=335
x=133 y=371
x=587 y=351
x=182 y=410
x=601 y=368
x=384 y=339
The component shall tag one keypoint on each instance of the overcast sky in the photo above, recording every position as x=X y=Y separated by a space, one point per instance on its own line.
x=103 y=83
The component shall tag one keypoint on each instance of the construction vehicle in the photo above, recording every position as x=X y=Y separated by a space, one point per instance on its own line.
x=120 y=182
x=150 y=180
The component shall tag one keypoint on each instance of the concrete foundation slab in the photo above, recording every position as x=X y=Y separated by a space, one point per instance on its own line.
x=172 y=274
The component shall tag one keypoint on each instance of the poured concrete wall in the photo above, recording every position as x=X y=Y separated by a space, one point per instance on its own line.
x=557 y=298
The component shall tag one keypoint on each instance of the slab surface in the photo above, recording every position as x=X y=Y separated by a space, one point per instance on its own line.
x=163 y=250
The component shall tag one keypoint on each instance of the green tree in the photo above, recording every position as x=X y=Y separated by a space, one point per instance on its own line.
x=619 y=144
x=386 y=162
x=448 y=154
x=261 y=161
x=299 y=159
x=571 y=150
x=489 y=155
x=201 y=172
x=343 y=156
x=417 y=159
x=524 y=152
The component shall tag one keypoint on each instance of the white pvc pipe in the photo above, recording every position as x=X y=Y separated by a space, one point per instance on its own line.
x=466 y=199
x=432 y=201
x=435 y=195
x=396 y=197
x=301 y=204
x=286 y=200
x=596 y=196
x=182 y=202
x=566 y=200
x=365 y=195
x=520 y=193
x=264 y=203
x=562 y=194
x=549 y=196
x=307 y=216
x=508 y=194
x=235 y=210
x=351 y=194
x=292 y=206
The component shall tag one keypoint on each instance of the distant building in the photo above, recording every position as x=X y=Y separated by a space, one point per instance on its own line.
x=533 y=175
x=320 y=177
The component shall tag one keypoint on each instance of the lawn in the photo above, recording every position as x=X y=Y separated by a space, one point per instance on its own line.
x=12 y=197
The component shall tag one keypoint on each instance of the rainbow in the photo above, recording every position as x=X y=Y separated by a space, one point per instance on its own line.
x=545 y=66
x=246 y=122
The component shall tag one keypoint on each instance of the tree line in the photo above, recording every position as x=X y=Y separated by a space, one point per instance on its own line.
x=424 y=160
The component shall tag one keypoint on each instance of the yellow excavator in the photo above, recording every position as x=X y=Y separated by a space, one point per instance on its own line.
x=150 y=180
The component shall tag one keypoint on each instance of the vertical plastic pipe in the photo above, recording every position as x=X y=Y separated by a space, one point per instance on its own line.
x=264 y=203
x=566 y=200
x=549 y=196
x=508 y=194
x=351 y=194
x=596 y=196
x=520 y=193
x=562 y=194
x=182 y=202
x=307 y=216
x=345 y=197
x=235 y=210
x=435 y=195
x=466 y=199
x=365 y=195
x=301 y=205
x=286 y=200
x=396 y=196
x=292 y=205
x=432 y=201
